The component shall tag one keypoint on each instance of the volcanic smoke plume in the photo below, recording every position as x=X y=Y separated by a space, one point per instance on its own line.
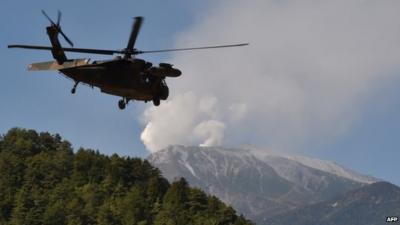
x=309 y=69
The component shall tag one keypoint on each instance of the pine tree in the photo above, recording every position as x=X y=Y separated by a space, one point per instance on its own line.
x=42 y=181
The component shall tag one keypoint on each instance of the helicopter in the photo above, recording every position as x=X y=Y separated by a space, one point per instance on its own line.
x=125 y=75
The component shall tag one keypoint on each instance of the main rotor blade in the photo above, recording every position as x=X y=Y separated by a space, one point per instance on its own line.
x=123 y=51
x=134 y=33
x=195 y=48
x=81 y=50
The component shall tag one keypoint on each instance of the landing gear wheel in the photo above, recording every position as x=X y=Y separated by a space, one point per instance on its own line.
x=121 y=104
x=156 y=102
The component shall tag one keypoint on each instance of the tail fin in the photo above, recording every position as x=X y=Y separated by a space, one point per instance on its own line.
x=52 y=31
x=57 y=51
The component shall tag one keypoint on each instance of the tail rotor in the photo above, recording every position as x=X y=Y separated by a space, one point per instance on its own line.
x=58 y=27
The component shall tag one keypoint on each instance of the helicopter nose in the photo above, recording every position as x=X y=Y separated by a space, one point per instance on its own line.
x=178 y=72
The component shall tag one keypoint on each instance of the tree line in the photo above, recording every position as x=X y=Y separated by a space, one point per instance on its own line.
x=43 y=181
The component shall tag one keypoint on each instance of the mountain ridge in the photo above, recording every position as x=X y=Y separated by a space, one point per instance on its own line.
x=323 y=165
x=258 y=185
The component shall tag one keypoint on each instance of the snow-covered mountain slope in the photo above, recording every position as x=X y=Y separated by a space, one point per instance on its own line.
x=333 y=168
x=258 y=185
x=318 y=164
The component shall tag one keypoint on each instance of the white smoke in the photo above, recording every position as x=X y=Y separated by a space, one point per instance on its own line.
x=188 y=119
x=309 y=69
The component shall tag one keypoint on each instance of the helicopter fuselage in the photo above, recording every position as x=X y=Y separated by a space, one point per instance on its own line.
x=131 y=78
x=120 y=77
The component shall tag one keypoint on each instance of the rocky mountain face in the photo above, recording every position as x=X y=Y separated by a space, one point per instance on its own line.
x=368 y=205
x=259 y=185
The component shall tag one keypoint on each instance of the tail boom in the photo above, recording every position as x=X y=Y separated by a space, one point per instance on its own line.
x=54 y=65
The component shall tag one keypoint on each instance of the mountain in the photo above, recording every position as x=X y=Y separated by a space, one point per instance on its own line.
x=368 y=205
x=259 y=185
x=43 y=181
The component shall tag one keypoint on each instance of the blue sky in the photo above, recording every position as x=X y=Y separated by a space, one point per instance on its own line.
x=42 y=101
x=372 y=146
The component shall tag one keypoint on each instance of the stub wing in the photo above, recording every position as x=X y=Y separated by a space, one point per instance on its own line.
x=53 y=65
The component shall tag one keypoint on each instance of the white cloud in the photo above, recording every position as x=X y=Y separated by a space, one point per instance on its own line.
x=309 y=69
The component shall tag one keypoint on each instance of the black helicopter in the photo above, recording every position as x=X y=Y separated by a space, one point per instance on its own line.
x=125 y=75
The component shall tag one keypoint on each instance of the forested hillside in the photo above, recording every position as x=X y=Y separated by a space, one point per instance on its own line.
x=42 y=181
